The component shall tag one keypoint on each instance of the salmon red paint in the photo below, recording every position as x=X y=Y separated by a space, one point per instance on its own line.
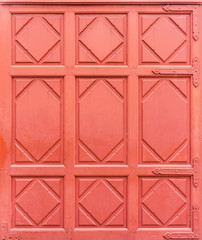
x=100 y=134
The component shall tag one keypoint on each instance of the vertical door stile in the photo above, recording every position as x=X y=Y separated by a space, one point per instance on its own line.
x=69 y=119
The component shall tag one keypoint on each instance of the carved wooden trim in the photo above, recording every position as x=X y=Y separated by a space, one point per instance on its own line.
x=5 y=235
x=194 y=171
x=187 y=235
x=187 y=8
x=194 y=71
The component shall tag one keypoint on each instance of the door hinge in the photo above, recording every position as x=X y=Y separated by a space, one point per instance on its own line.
x=194 y=71
x=195 y=16
x=193 y=171
x=5 y=235
x=187 y=235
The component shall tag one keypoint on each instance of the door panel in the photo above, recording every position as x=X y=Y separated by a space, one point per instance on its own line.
x=165 y=102
x=165 y=38
x=100 y=113
x=101 y=202
x=30 y=195
x=37 y=38
x=108 y=145
x=93 y=30
x=154 y=191
x=41 y=100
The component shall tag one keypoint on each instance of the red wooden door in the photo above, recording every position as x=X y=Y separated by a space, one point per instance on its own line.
x=100 y=111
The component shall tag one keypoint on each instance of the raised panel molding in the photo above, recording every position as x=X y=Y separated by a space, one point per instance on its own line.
x=101 y=202
x=156 y=209
x=37 y=202
x=165 y=105
x=101 y=105
x=165 y=38
x=38 y=112
x=95 y=29
x=37 y=38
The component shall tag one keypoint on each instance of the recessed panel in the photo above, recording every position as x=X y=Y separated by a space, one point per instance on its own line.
x=37 y=38
x=164 y=202
x=101 y=202
x=165 y=120
x=164 y=39
x=37 y=202
x=101 y=39
x=101 y=106
x=37 y=123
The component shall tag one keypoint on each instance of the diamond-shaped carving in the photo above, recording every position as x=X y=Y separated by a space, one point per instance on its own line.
x=37 y=119
x=164 y=201
x=164 y=38
x=37 y=202
x=101 y=201
x=37 y=38
x=101 y=125
x=101 y=39
x=164 y=120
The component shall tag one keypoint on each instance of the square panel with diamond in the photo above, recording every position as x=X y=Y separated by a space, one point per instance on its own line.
x=164 y=202
x=101 y=39
x=37 y=38
x=165 y=38
x=37 y=202
x=101 y=202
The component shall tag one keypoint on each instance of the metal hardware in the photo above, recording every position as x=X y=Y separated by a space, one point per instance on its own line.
x=187 y=8
x=196 y=71
x=5 y=235
x=173 y=171
x=182 y=71
x=194 y=171
x=187 y=235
